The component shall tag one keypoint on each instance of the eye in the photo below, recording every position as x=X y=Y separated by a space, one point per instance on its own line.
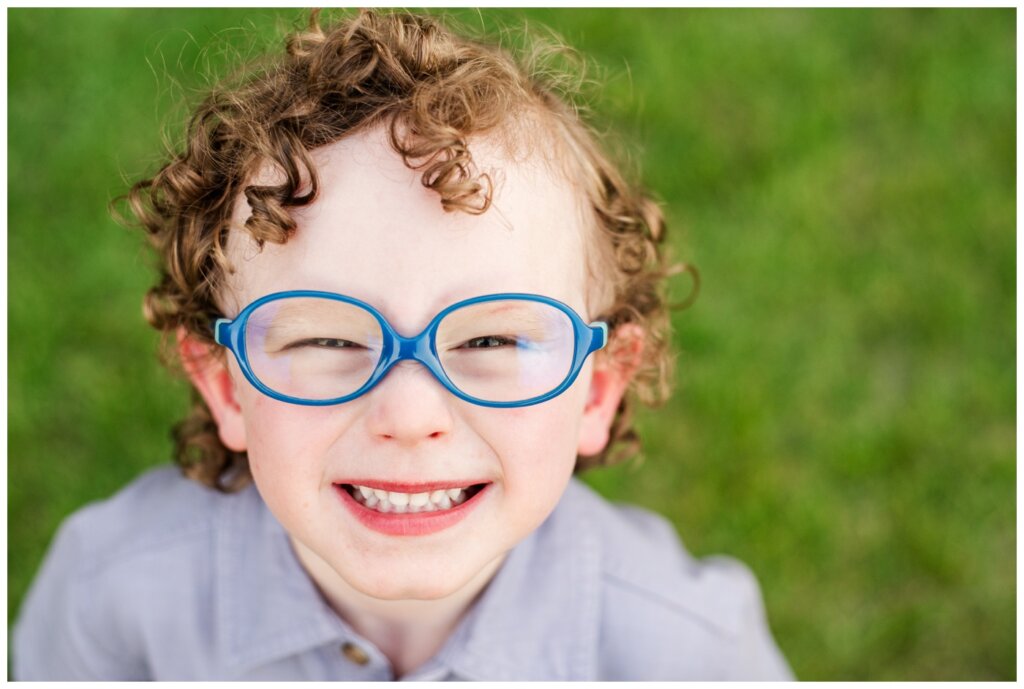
x=324 y=343
x=489 y=342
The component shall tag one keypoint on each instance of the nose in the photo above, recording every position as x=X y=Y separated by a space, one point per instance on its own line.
x=409 y=406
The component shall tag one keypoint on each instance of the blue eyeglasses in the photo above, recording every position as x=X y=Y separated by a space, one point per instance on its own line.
x=498 y=350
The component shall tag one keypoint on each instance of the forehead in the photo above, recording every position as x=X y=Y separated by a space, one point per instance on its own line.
x=377 y=234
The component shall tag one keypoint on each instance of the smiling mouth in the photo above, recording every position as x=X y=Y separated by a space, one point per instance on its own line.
x=390 y=502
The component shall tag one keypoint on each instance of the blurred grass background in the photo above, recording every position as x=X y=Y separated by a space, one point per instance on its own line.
x=845 y=416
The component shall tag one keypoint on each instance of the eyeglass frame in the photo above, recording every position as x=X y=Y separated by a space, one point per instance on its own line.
x=229 y=333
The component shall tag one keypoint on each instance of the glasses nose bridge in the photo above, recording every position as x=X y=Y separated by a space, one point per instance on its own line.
x=416 y=348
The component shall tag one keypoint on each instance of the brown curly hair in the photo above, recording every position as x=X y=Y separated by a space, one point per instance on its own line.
x=433 y=89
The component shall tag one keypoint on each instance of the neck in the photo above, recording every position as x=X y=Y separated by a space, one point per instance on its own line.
x=409 y=632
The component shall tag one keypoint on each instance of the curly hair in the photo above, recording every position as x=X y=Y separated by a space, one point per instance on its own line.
x=433 y=90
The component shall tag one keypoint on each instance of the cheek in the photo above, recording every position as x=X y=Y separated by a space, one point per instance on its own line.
x=539 y=450
x=286 y=442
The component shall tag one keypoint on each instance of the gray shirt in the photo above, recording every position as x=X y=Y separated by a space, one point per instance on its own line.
x=171 y=580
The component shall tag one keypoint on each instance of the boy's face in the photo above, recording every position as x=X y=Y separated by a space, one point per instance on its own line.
x=376 y=234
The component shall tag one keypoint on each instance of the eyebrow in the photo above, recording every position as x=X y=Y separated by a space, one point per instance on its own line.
x=290 y=315
x=523 y=320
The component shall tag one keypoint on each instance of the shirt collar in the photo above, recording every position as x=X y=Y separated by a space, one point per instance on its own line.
x=537 y=619
x=267 y=607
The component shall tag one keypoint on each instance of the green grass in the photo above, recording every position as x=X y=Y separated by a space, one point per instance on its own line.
x=845 y=414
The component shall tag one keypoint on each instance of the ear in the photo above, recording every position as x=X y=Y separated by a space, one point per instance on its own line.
x=210 y=376
x=614 y=367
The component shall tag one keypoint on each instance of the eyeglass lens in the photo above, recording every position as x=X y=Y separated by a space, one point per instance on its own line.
x=315 y=349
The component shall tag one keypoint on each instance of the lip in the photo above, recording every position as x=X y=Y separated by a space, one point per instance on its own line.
x=418 y=524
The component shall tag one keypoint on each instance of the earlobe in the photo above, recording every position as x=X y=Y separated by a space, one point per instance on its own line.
x=210 y=376
x=609 y=380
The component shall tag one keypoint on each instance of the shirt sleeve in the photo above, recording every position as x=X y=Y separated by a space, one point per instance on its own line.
x=60 y=634
x=757 y=655
x=670 y=616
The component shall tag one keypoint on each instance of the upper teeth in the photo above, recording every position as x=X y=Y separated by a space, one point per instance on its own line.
x=390 y=501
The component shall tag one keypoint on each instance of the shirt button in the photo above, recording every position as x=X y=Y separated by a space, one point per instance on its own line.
x=354 y=653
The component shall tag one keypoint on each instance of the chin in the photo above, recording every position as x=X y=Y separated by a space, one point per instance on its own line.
x=405 y=588
x=409 y=580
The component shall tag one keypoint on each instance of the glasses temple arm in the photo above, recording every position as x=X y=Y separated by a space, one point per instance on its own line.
x=220 y=335
x=599 y=330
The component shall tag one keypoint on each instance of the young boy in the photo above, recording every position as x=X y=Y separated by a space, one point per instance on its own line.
x=411 y=294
